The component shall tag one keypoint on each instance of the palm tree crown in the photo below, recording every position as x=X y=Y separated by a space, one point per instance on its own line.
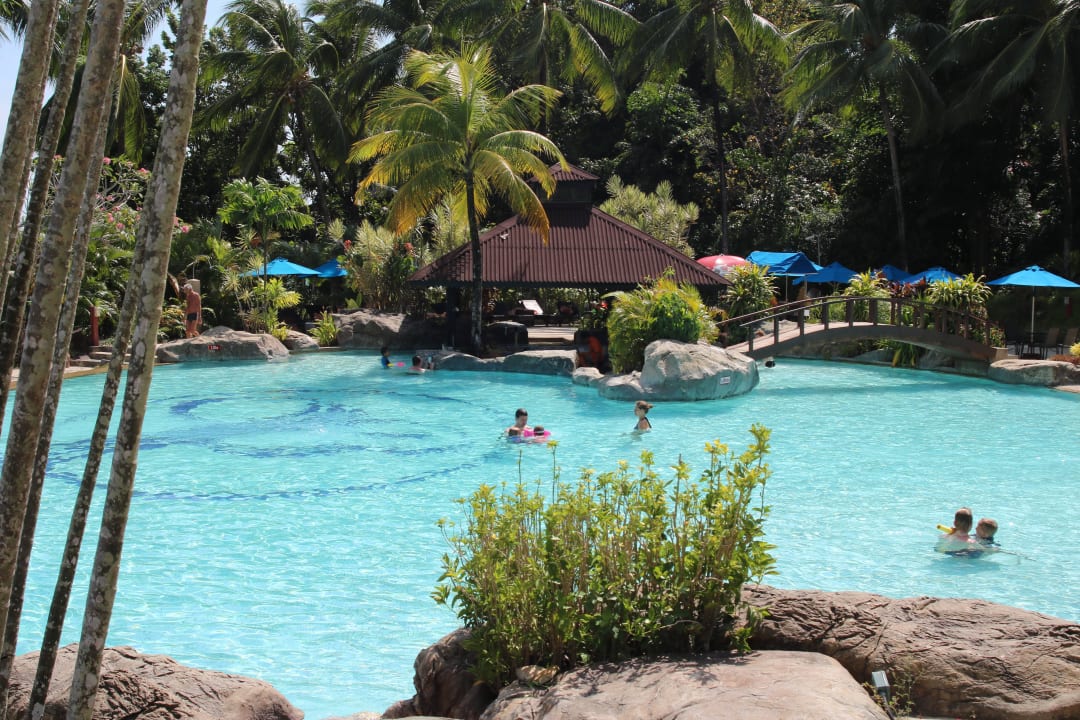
x=451 y=134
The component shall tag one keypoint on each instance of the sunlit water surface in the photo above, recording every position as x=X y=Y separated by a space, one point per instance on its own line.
x=285 y=519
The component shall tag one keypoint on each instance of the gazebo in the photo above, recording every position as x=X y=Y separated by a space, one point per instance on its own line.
x=586 y=248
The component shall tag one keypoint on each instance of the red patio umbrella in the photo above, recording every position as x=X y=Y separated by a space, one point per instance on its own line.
x=722 y=264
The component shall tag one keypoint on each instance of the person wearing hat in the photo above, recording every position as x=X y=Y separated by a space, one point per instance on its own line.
x=641 y=409
x=193 y=318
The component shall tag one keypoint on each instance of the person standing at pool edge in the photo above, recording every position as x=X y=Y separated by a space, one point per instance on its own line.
x=193 y=317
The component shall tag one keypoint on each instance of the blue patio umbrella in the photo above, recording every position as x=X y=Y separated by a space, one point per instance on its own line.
x=832 y=273
x=932 y=275
x=281 y=266
x=790 y=264
x=331 y=269
x=894 y=274
x=1034 y=277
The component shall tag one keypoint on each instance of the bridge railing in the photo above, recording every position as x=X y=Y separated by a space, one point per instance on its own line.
x=896 y=311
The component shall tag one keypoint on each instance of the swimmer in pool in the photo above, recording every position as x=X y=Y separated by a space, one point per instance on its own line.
x=958 y=540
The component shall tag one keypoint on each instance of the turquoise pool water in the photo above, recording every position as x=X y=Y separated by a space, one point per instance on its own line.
x=284 y=523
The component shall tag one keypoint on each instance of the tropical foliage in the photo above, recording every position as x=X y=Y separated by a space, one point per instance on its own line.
x=622 y=563
x=661 y=310
x=450 y=134
x=656 y=213
x=751 y=290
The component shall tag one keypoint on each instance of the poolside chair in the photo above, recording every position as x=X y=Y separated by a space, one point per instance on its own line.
x=1070 y=340
x=1051 y=341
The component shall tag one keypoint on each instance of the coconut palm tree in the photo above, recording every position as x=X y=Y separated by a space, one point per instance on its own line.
x=855 y=50
x=1030 y=48
x=265 y=209
x=450 y=133
x=548 y=42
x=718 y=39
x=275 y=71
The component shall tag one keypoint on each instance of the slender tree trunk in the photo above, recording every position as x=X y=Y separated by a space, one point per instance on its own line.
x=894 y=159
x=316 y=168
x=41 y=325
x=721 y=153
x=23 y=116
x=1067 y=210
x=50 y=642
x=155 y=233
x=477 y=303
x=19 y=286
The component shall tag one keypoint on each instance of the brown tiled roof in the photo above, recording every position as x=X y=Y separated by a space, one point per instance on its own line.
x=572 y=172
x=587 y=248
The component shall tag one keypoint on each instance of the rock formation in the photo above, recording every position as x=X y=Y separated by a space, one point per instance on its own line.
x=1035 y=372
x=963 y=658
x=221 y=343
x=298 y=342
x=679 y=371
x=151 y=687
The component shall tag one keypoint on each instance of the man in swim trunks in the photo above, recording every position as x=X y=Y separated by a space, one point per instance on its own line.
x=193 y=318
x=958 y=541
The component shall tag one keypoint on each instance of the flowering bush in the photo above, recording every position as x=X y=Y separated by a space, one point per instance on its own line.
x=111 y=241
x=1075 y=350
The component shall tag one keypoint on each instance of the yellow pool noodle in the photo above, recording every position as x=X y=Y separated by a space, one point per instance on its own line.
x=944 y=528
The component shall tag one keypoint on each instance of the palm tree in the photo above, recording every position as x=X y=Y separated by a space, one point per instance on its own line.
x=717 y=38
x=451 y=134
x=545 y=42
x=265 y=209
x=1022 y=47
x=275 y=69
x=857 y=49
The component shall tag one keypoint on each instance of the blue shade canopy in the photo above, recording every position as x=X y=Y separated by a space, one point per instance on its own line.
x=331 y=269
x=1034 y=277
x=281 y=266
x=894 y=274
x=932 y=275
x=784 y=263
x=832 y=273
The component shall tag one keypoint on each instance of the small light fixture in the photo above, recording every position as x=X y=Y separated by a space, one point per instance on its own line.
x=881 y=684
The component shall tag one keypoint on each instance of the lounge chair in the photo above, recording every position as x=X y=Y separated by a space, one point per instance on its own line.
x=1051 y=340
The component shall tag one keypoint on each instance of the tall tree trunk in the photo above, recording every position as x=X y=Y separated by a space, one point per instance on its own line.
x=316 y=168
x=894 y=159
x=19 y=287
x=477 y=303
x=23 y=116
x=721 y=153
x=155 y=233
x=50 y=642
x=41 y=325
x=1067 y=210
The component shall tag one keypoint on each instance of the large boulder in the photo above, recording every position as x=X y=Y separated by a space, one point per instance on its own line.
x=541 y=362
x=222 y=343
x=151 y=687
x=963 y=658
x=445 y=687
x=298 y=342
x=1048 y=373
x=371 y=329
x=758 y=686
x=683 y=371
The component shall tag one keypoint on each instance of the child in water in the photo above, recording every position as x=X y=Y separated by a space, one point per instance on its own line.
x=984 y=532
x=958 y=539
x=540 y=434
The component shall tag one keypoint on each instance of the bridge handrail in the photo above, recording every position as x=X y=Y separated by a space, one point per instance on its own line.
x=946 y=320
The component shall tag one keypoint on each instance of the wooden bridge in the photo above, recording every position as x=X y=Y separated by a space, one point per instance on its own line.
x=957 y=333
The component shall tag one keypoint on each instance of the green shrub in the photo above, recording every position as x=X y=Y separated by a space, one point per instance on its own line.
x=620 y=564
x=663 y=310
x=1075 y=350
x=865 y=284
x=751 y=290
x=325 y=331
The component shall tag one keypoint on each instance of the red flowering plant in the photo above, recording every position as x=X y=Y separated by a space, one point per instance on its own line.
x=111 y=243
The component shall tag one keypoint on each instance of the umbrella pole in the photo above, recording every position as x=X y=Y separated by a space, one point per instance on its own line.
x=1032 y=313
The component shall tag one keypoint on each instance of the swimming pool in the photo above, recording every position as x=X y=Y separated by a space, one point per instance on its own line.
x=284 y=525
